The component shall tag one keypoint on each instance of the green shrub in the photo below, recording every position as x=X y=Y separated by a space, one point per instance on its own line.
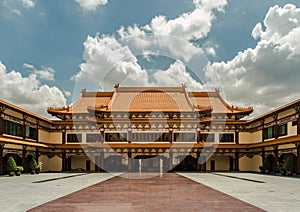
x=11 y=164
x=289 y=165
x=267 y=165
x=33 y=164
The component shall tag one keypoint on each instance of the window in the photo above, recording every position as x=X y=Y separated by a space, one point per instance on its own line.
x=74 y=138
x=12 y=128
x=207 y=137
x=115 y=137
x=282 y=130
x=30 y=132
x=96 y=137
x=268 y=133
x=226 y=137
x=185 y=137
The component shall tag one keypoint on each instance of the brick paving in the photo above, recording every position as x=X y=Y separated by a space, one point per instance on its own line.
x=169 y=192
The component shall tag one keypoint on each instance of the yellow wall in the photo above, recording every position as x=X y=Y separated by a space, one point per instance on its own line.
x=292 y=130
x=221 y=163
x=250 y=164
x=51 y=164
x=80 y=162
x=257 y=137
x=56 y=138
x=245 y=137
x=44 y=136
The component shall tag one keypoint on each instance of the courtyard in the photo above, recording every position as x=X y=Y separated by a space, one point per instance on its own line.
x=222 y=191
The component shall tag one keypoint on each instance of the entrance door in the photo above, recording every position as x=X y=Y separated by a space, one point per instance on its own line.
x=212 y=165
x=230 y=163
x=88 y=165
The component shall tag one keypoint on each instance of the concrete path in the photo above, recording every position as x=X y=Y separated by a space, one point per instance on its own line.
x=169 y=192
x=21 y=193
x=272 y=193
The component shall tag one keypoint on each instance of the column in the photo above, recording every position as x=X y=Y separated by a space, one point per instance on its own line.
x=63 y=136
x=276 y=159
x=24 y=158
x=170 y=160
x=1 y=124
x=262 y=130
x=129 y=135
x=37 y=130
x=129 y=161
x=298 y=125
x=1 y=159
x=236 y=161
x=263 y=155
x=298 y=160
x=171 y=135
x=236 y=136
x=198 y=158
x=102 y=135
x=63 y=161
x=37 y=155
x=198 y=135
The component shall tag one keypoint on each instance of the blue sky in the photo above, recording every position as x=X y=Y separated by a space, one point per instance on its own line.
x=43 y=42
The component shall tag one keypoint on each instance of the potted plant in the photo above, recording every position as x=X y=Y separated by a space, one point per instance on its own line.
x=33 y=166
x=289 y=166
x=11 y=166
x=19 y=170
x=267 y=166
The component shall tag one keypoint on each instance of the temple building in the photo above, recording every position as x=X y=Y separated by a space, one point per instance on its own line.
x=151 y=129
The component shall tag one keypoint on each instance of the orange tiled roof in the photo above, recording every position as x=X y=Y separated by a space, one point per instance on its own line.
x=165 y=99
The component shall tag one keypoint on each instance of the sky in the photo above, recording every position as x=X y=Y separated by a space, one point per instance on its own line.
x=50 y=50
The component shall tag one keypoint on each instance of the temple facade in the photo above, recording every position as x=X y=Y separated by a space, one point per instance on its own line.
x=151 y=129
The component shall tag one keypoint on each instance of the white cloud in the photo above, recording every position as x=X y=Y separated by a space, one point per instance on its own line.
x=91 y=5
x=45 y=73
x=192 y=25
x=28 y=3
x=268 y=75
x=174 y=76
x=28 y=92
x=109 y=61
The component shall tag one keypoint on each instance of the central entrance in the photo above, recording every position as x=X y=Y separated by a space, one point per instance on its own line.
x=149 y=163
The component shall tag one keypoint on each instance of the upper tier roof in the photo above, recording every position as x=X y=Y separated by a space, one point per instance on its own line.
x=149 y=99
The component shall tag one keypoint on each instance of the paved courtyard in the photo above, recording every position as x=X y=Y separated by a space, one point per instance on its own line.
x=193 y=191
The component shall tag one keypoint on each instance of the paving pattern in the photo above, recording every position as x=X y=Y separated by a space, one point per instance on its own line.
x=169 y=192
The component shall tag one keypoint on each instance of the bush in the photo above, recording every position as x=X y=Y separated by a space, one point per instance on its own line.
x=289 y=165
x=267 y=165
x=11 y=165
x=33 y=164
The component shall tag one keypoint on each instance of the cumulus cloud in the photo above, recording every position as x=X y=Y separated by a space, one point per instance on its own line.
x=108 y=60
x=268 y=75
x=171 y=34
x=28 y=92
x=45 y=73
x=91 y=5
x=192 y=25
x=28 y=3
x=174 y=76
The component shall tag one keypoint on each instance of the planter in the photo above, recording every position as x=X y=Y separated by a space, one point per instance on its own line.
x=18 y=173
x=289 y=173
x=11 y=173
x=32 y=171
